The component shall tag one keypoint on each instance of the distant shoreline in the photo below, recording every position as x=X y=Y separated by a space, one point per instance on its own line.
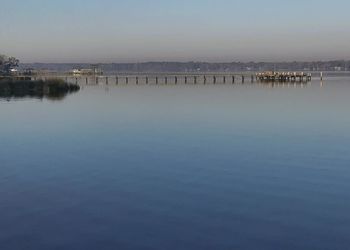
x=144 y=67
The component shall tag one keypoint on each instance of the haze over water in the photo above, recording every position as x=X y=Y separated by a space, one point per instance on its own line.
x=178 y=167
x=182 y=30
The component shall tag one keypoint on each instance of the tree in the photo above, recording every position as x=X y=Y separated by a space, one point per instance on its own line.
x=7 y=64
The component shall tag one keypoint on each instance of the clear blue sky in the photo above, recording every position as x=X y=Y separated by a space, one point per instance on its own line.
x=183 y=30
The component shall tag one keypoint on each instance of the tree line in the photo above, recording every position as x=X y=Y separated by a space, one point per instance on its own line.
x=8 y=64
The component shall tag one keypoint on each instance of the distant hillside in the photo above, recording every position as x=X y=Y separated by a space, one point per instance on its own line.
x=340 y=65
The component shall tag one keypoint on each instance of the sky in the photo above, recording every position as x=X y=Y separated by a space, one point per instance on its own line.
x=174 y=30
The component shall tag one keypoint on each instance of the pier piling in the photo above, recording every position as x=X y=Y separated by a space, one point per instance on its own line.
x=267 y=76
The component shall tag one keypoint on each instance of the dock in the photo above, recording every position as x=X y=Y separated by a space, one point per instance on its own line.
x=177 y=78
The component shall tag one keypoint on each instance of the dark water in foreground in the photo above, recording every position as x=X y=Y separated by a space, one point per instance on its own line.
x=178 y=167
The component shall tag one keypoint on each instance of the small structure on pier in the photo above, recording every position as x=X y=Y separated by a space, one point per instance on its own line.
x=272 y=76
x=93 y=70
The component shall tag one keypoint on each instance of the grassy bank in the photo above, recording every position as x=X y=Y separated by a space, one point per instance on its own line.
x=51 y=89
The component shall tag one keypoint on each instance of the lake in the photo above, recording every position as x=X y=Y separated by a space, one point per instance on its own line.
x=225 y=166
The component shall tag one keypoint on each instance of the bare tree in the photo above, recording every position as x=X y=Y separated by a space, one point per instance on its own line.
x=7 y=64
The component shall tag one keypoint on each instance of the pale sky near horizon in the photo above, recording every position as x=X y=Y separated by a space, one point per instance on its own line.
x=174 y=30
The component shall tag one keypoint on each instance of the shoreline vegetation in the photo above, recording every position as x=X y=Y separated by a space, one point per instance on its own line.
x=52 y=89
x=315 y=66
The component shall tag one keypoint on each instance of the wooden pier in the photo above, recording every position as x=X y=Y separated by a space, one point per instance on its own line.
x=179 y=78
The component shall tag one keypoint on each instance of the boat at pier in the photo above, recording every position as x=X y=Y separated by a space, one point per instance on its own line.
x=272 y=76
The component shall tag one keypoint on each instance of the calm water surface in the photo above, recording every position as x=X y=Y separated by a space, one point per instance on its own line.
x=178 y=167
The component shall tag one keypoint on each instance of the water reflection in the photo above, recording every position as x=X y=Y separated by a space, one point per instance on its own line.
x=224 y=166
x=53 y=89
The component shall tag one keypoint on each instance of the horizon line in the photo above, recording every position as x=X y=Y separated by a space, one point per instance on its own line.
x=193 y=61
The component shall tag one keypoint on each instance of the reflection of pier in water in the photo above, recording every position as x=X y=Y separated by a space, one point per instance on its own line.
x=284 y=84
